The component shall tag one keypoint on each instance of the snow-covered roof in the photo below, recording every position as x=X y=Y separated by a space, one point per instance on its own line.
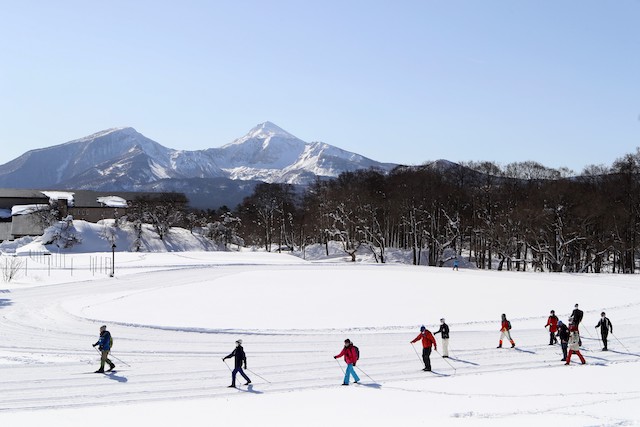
x=113 y=201
x=57 y=195
x=27 y=209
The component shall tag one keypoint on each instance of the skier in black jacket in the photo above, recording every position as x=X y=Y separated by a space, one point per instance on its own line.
x=605 y=326
x=240 y=359
x=444 y=329
x=577 y=315
x=563 y=334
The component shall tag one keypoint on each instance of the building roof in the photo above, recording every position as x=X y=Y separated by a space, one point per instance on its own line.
x=80 y=198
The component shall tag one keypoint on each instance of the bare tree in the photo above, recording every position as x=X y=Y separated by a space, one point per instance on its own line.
x=11 y=266
x=163 y=211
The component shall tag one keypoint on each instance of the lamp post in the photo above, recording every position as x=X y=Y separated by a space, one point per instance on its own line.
x=113 y=259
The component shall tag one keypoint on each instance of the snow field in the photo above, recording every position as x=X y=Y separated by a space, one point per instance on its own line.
x=175 y=315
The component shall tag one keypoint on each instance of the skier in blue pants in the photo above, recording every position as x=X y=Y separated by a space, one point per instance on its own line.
x=350 y=354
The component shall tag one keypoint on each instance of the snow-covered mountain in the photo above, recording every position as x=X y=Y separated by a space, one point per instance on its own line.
x=123 y=159
x=269 y=153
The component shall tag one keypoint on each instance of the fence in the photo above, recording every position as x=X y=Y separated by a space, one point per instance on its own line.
x=58 y=261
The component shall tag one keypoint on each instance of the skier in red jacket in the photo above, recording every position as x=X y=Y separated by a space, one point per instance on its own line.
x=505 y=329
x=427 y=341
x=350 y=354
x=552 y=323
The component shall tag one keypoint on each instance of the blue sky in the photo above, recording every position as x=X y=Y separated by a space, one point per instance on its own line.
x=399 y=81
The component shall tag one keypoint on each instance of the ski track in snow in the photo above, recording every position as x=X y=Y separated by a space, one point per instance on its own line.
x=47 y=360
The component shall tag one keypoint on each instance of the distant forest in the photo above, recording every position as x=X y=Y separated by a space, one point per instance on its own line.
x=523 y=216
x=519 y=217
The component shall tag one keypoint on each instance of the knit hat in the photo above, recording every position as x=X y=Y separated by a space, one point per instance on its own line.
x=422 y=328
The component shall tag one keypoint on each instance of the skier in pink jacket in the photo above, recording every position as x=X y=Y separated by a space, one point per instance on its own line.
x=351 y=356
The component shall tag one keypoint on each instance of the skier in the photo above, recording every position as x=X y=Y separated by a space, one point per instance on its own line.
x=455 y=263
x=351 y=356
x=104 y=345
x=240 y=358
x=574 y=342
x=505 y=329
x=563 y=333
x=427 y=341
x=577 y=315
x=552 y=323
x=444 y=328
x=605 y=326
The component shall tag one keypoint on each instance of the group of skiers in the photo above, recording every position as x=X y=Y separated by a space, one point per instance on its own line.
x=428 y=340
x=569 y=337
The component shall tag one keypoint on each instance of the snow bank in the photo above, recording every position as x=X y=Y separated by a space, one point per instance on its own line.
x=92 y=238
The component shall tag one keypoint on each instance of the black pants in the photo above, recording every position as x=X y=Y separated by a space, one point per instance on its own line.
x=552 y=338
x=605 y=334
x=564 y=346
x=233 y=375
x=426 y=352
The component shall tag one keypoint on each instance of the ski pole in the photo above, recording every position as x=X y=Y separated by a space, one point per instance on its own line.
x=343 y=372
x=227 y=365
x=360 y=369
x=588 y=332
x=620 y=342
x=454 y=369
x=416 y=351
x=600 y=337
x=261 y=377
x=119 y=360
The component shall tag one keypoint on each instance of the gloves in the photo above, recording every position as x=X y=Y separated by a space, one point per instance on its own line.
x=100 y=348
x=95 y=344
x=335 y=357
x=245 y=366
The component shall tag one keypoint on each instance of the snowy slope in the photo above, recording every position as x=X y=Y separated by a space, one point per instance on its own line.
x=174 y=315
x=271 y=154
x=49 y=166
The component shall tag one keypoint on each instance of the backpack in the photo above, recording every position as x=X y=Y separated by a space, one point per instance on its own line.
x=508 y=325
x=357 y=352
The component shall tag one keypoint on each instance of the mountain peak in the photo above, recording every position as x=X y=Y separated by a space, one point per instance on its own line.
x=266 y=130
x=125 y=130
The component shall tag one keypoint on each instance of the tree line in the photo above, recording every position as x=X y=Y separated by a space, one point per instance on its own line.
x=519 y=217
